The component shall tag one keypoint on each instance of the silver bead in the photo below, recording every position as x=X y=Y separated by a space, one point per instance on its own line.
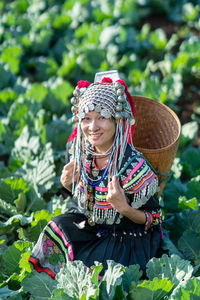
x=121 y=98
x=81 y=115
x=105 y=113
x=73 y=109
x=74 y=119
x=91 y=106
x=117 y=116
x=76 y=92
x=120 y=92
x=119 y=107
x=118 y=85
x=73 y=100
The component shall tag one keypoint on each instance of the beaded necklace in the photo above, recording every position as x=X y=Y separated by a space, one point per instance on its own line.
x=94 y=182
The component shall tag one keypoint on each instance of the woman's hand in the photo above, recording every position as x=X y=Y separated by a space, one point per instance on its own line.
x=117 y=198
x=67 y=175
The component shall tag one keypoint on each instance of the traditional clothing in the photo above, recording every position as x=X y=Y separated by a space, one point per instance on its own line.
x=92 y=230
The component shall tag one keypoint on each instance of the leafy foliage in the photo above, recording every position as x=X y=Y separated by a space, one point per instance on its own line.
x=46 y=47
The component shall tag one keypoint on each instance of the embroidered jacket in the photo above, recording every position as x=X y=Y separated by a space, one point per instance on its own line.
x=139 y=182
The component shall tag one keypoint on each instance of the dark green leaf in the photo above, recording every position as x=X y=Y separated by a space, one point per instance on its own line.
x=59 y=294
x=41 y=218
x=13 y=222
x=193 y=188
x=5 y=292
x=191 y=160
x=10 y=188
x=12 y=256
x=189 y=244
x=172 y=192
x=132 y=273
x=40 y=285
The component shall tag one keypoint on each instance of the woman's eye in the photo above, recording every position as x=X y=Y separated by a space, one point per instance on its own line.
x=101 y=118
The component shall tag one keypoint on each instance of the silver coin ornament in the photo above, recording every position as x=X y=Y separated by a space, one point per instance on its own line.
x=105 y=113
x=119 y=107
x=117 y=116
x=95 y=172
x=73 y=100
x=121 y=98
x=120 y=92
x=76 y=92
x=91 y=107
x=81 y=115
x=74 y=109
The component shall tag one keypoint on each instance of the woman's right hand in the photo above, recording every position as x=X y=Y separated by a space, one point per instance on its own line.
x=67 y=175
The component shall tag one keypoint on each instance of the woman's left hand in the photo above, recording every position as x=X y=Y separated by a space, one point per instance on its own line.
x=116 y=196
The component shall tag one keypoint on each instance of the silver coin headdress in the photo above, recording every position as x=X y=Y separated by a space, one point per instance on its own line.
x=107 y=98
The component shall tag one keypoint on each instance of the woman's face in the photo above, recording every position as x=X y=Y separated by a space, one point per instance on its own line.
x=99 y=131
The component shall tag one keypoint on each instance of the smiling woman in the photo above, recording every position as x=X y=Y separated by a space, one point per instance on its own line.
x=117 y=214
x=99 y=131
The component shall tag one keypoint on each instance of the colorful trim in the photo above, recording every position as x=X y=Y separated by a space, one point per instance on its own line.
x=133 y=171
x=103 y=205
x=38 y=268
x=136 y=177
x=58 y=231
x=143 y=183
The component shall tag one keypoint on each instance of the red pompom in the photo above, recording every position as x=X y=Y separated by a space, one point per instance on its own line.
x=83 y=83
x=106 y=80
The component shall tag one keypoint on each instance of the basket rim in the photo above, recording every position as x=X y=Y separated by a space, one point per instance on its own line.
x=153 y=150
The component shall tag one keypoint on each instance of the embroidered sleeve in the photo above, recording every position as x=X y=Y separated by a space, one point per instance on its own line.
x=140 y=182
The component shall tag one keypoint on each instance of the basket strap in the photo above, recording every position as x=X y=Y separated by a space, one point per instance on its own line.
x=148 y=163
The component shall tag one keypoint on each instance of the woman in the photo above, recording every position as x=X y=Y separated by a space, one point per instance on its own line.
x=116 y=213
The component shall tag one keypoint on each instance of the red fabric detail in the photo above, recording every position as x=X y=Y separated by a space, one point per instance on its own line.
x=39 y=269
x=73 y=135
x=106 y=80
x=83 y=83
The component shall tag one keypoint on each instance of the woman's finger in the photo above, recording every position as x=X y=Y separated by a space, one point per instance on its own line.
x=115 y=183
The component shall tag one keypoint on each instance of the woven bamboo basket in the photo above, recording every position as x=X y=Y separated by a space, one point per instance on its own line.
x=156 y=136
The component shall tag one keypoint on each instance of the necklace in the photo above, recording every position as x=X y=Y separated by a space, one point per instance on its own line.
x=96 y=170
x=94 y=182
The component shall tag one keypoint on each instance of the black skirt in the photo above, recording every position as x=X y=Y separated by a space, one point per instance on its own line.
x=70 y=237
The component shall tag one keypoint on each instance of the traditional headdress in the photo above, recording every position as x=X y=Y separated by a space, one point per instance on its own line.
x=105 y=97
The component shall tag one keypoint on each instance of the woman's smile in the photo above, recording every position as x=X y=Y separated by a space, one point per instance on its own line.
x=99 y=131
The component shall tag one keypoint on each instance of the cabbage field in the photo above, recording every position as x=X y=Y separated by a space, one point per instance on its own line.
x=46 y=46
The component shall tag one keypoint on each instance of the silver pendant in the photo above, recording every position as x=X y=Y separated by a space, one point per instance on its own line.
x=95 y=172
